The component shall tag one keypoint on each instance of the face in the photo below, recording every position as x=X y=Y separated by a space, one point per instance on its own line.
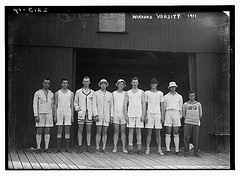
x=86 y=82
x=134 y=83
x=191 y=96
x=64 y=84
x=103 y=85
x=172 y=89
x=154 y=85
x=120 y=85
x=46 y=84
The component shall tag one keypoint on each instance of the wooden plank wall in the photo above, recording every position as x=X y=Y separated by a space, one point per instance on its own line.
x=184 y=35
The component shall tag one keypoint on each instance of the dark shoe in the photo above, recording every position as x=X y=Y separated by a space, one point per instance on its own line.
x=58 y=150
x=104 y=151
x=140 y=152
x=79 y=149
x=197 y=155
x=177 y=153
x=130 y=152
x=47 y=151
x=38 y=151
x=97 y=151
x=68 y=150
x=186 y=154
x=89 y=150
x=167 y=153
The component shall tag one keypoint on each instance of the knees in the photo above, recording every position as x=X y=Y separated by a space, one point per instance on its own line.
x=80 y=128
x=104 y=131
x=39 y=131
x=88 y=129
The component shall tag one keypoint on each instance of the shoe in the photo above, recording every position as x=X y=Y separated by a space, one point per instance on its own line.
x=79 y=150
x=68 y=150
x=38 y=151
x=89 y=150
x=57 y=151
x=177 y=153
x=140 y=152
x=160 y=153
x=130 y=152
x=47 y=151
x=125 y=151
x=97 y=151
x=147 y=152
x=104 y=151
x=114 y=150
x=167 y=153
x=186 y=154
x=197 y=155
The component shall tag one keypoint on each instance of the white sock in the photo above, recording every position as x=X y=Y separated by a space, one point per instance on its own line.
x=176 y=142
x=47 y=138
x=168 y=141
x=38 y=140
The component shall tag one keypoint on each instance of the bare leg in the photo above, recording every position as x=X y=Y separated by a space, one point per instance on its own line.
x=148 y=140
x=98 y=135
x=104 y=136
x=115 y=136
x=176 y=138
x=123 y=137
x=168 y=138
x=80 y=131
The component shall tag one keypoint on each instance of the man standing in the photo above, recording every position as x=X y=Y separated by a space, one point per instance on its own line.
x=63 y=114
x=43 y=114
x=119 y=120
x=83 y=104
x=173 y=113
x=134 y=112
x=104 y=114
x=154 y=117
x=192 y=112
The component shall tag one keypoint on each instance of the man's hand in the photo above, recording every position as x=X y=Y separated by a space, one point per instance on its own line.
x=37 y=119
x=72 y=119
x=111 y=119
x=142 y=118
x=146 y=120
x=55 y=119
x=96 y=118
x=127 y=118
x=162 y=119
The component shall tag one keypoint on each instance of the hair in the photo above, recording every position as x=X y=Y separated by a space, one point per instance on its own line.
x=86 y=77
x=191 y=91
x=64 y=79
x=134 y=78
x=46 y=79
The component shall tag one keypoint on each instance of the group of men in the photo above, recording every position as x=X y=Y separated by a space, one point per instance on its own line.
x=133 y=109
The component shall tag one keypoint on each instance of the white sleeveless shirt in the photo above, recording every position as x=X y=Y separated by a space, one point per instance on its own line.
x=118 y=101
x=64 y=99
x=135 y=103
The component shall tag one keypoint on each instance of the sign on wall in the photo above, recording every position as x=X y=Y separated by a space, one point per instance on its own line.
x=112 y=22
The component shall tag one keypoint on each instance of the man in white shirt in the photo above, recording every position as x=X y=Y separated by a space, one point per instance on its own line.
x=134 y=109
x=119 y=120
x=43 y=114
x=154 y=116
x=173 y=113
x=63 y=114
x=192 y=112
x=83 y=104
x=103 y=114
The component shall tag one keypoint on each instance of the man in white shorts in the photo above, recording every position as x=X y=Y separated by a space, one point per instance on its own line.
x=103 y=114
x=154 y=117
x=63 y=114
x=134 y=112
x=43 y=114
x=119 y=120
x=83 y=104
x=173 y=103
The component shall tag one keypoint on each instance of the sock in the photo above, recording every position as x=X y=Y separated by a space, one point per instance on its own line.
x=59 y=143
x=139 y=146
x=176 y=142
x=38 y=140
x=167 y=141
x=47 y=138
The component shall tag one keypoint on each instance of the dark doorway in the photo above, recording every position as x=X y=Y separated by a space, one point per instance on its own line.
x=115 y=64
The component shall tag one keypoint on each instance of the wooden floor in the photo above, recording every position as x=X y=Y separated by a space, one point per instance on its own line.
x=26 y=159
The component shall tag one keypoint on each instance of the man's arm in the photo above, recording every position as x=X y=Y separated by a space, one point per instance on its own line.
x=76 y=103
x=35 y=104
x=71 y=106
x=184 y=108
x=200 y=110
x=55 y=106
x=125 y=108
x=181 y=105
x=143 y=106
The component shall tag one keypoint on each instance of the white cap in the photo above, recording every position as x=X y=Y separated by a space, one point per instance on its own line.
x=121 y=80
x=172 y=84
x=103 y=80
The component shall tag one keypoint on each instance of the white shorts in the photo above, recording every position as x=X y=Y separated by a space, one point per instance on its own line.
x=63 y=116
x=119 y=118
x=102 y=122
x=46 y=120
x=154 y=121
x=135 y=122
x=172 y=118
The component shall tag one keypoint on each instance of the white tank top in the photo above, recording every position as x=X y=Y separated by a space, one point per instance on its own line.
x=64 y=99
x=118 y=100
x=135 y=103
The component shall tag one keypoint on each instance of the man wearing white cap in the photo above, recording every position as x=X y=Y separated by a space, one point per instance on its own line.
x=103 y=114
x=83 y=104
x=173 y=113
x=118 y=115
x=134 y=109
x=154 y=116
